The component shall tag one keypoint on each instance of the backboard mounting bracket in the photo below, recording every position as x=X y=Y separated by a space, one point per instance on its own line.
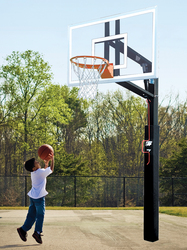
x=136 y=89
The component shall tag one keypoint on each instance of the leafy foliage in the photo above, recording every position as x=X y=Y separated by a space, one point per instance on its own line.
x=176 y=165
x=98 y=137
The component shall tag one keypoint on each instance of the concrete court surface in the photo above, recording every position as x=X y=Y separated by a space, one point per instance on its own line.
x=92 y=230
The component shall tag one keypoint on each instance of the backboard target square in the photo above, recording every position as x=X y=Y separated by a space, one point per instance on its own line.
x=111 y=41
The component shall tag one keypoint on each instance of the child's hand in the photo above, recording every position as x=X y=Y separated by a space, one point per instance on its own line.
x=47 y=161
x=51 y=156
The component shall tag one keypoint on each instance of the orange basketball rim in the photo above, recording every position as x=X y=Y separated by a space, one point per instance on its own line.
x=104 y=66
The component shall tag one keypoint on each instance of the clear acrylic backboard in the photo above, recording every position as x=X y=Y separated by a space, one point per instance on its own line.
x=126 y=40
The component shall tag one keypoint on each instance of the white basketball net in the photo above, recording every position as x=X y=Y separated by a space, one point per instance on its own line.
x=88 y=71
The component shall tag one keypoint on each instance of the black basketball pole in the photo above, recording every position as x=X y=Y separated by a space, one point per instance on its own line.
x=151 y=158
x=151 y=169
x=151 y=149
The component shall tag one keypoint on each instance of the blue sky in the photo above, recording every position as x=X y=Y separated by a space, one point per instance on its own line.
x=42 y=25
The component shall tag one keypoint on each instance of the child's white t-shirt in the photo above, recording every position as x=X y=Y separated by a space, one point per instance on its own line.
x=39 y=181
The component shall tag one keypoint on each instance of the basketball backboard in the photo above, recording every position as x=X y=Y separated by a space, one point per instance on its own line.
x=126 y=40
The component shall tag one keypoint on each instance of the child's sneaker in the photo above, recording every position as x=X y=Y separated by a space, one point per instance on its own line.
x=37 y=237
x=22 y=234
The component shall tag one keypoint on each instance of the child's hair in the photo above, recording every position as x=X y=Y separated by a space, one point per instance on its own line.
x=29 y=165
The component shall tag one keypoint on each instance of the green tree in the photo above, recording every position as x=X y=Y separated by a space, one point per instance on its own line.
x=69 y=164
x=72 y=132
x=173 y=125
x=24 y=76
x=176 y=165
x=118 y=123
x=130 y=117
x=53 y=112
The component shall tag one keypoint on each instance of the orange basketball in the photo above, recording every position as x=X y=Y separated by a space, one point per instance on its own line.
x=44 y=151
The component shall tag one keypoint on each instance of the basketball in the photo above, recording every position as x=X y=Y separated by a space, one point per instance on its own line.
x=44 y=151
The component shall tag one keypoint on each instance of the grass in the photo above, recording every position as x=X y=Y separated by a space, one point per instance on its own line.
x=176 y=211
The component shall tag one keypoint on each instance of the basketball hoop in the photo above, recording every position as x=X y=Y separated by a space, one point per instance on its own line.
x=89 y=69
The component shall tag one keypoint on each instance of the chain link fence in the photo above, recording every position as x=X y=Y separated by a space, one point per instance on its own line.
x=92 y=191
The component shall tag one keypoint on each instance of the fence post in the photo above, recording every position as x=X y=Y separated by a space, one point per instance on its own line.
x=172 y=191
x=75 y=191
x=123 y=191
x=25 y=191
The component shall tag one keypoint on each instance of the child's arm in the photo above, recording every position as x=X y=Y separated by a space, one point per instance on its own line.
x=46 y=164
x=52 y=163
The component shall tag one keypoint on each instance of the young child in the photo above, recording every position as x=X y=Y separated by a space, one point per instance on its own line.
x=37 y=198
